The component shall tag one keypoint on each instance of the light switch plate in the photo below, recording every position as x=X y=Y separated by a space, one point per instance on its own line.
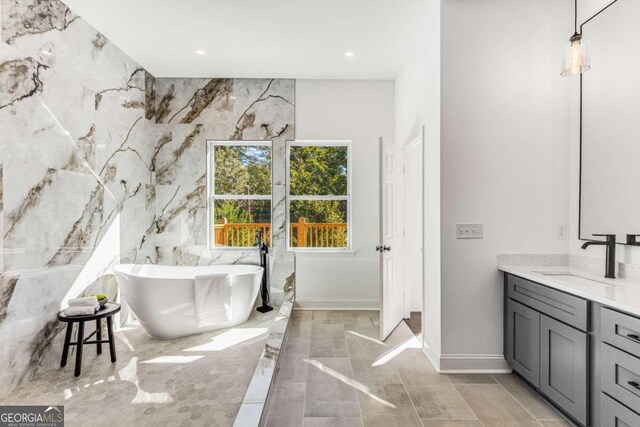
x=561 y=231
x=469 y=231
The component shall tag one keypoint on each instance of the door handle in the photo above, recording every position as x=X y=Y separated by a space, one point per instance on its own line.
x=634 y=337
x=634 y=385
x=383 y=248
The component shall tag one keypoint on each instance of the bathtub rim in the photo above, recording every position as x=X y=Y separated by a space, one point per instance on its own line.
x=126 y=269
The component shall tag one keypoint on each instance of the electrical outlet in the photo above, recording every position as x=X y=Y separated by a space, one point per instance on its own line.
x=561 y=231
x=469 y=231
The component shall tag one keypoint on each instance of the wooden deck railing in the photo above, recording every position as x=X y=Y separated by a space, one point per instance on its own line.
x=302 y=234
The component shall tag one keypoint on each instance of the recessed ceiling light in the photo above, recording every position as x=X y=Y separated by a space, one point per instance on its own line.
x=46 y=52
x=349 y=54
x=200 y=52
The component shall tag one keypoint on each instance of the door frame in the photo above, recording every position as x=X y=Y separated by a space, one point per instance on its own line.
x=418 y=140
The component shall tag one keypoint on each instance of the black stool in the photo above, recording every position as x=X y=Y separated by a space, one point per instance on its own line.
x=107 y=311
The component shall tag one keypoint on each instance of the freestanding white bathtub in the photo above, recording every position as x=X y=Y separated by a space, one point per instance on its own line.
x=162 y=297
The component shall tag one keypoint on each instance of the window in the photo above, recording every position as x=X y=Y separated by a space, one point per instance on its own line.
x=319 y=192
x=239 y=193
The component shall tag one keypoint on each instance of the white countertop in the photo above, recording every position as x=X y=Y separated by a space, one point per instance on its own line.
x=619 y=294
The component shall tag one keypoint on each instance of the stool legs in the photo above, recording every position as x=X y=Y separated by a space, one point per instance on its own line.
x=99 y=335
x=65 y=349
x=112 y=342
x=80 y=340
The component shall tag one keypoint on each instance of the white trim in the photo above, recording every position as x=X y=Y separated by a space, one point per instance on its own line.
x=258 y=143
x=211 y=247
x=340 y=198
x=473 y=364
x=320 y=143
x=289 y=197
x=337 y=304
x=427 y=349
x=423 y=225
x=417 y=141
x=209 y=187
x=213 y=197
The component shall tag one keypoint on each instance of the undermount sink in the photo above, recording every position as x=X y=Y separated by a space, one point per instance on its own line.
x=576 y=279
x=557 y=273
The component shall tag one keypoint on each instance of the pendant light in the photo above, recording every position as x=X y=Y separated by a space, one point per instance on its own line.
x=577 y=55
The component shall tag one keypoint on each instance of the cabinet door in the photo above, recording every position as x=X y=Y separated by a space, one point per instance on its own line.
x=620 y=375
x=563 y=367
x=615 y=414
x=523 y=341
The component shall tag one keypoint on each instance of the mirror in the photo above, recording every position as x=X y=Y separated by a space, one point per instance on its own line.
x=610 y=121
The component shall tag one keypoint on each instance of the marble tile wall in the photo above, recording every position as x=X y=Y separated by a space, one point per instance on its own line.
x=101 y=163
x=188 y=113
x=75 y=150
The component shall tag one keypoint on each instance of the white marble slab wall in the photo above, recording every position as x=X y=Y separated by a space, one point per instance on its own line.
x=77 y=183
x=191 y=111
x=101 y=163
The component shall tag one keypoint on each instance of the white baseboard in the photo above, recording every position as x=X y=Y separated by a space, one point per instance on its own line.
x=473 y=364
x=337 y=304
x=432 y=356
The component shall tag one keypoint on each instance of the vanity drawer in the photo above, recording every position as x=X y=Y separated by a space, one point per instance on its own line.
x=621 y=376
x=613 y=414
x=559 y=305
x=621 y=330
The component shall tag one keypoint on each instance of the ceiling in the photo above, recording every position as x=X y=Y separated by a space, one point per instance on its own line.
x=305 y=39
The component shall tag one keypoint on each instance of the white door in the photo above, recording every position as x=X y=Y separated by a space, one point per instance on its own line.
x=391 y=237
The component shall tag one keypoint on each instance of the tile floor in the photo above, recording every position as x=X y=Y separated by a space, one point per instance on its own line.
x=199 y=380
x=414 y=322
x=335 y=372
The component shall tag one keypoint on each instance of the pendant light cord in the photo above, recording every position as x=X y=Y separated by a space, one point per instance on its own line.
x=575 y=19
x=598 y=13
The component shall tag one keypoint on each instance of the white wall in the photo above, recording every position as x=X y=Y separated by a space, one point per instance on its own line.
x=417 y=105
x=505 y=150
x=360 y=111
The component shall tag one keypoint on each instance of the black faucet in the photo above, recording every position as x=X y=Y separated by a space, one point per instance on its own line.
x=632 y=239
x=263 y=249
x=610 y=242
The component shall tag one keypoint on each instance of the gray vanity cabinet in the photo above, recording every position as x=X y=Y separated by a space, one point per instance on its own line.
x=564 y=367
x=619 y=369
x=617 y=415
x=523 y=332
x=546 y=343
x=581 y=355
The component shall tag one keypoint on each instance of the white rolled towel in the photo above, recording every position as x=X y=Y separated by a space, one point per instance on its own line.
x=84 y=302
x=80 y=310
x=212 y=299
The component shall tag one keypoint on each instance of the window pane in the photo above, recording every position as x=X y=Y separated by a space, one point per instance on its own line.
x=236 y=222
x=242 y=169
x=317 y=170
x=318 y=223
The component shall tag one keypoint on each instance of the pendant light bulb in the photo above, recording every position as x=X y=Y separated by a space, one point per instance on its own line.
x=576 y=58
